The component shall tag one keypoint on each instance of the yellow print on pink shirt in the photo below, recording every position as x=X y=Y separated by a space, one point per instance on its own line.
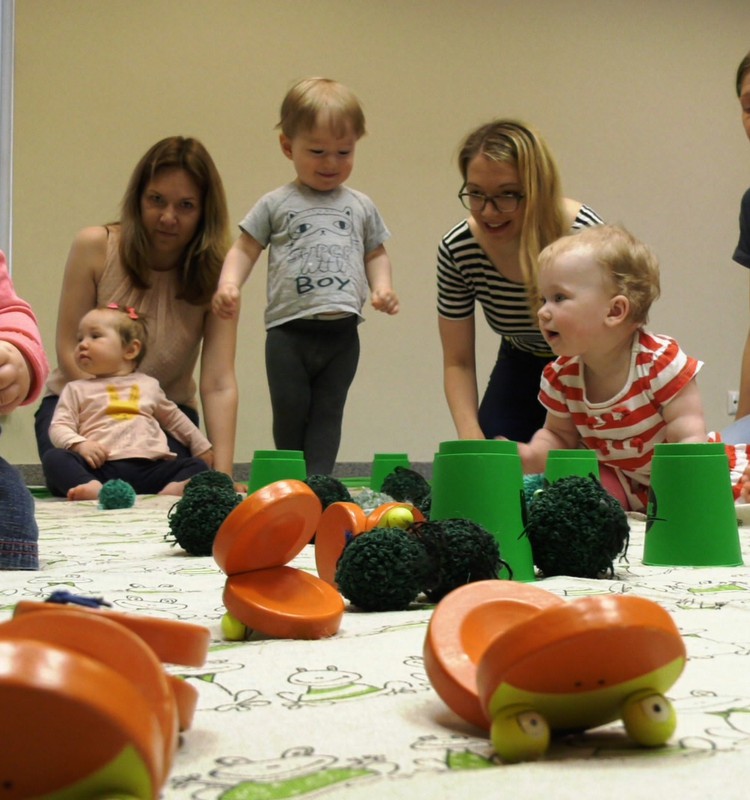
x=123 y=410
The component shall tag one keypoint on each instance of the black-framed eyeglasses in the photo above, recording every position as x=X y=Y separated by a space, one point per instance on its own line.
x=505 y=203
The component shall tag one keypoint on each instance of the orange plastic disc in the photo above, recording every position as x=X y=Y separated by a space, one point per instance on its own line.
x=284 y=602
x=174 y=642
x=337 y=522
x=590 y=642
x=462 y=627
x=268 y=529
x=186 y=697
x=114 y=646
x=375 y=517
x=66 y=717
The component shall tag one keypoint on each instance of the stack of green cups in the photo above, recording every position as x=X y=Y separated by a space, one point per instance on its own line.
x=269 y=466
x=564 y=463
x=482 y=480
x=691 y=519
x=383 y=464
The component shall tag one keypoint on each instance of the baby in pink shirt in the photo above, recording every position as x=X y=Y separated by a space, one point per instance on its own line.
x=113 y=425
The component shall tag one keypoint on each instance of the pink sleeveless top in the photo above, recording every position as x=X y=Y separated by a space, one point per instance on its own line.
x=175 y=327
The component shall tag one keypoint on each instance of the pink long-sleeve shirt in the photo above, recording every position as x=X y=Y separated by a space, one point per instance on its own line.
x=19 y=327
x=126 y=415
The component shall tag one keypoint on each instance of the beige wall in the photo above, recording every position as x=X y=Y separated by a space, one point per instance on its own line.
x=635 y=98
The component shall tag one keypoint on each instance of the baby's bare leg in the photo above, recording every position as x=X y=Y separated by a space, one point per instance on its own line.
x=175 y=488
x=85 y=491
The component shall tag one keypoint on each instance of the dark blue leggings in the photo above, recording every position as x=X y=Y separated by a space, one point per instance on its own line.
x=64 y=469
x=310 y=366
x=510 y=406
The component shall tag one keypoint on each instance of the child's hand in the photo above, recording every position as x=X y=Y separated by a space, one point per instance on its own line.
x=15 y=377
x=225 y=301
x=94 y=453
x=386 y=301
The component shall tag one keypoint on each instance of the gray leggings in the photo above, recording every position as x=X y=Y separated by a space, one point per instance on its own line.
x=310 y=366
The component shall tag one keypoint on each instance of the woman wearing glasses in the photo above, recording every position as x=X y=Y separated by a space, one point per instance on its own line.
x=512 y=190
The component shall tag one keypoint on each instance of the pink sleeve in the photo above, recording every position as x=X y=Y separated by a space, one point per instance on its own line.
x=18 y=326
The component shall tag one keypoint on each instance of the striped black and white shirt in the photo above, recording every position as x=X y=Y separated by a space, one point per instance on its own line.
x=465 y=276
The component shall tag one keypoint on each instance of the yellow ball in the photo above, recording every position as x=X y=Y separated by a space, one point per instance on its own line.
x=232 y=629
x=400 y=517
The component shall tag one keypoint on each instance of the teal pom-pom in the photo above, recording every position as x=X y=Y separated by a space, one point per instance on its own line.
x=461 y=552
x=576 y=528
x=328 y=489
x=382 y=570
x=195 y=519
x=116 y=494
x=531 y=485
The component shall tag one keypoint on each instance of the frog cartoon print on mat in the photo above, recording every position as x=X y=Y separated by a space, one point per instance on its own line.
x=298 y=772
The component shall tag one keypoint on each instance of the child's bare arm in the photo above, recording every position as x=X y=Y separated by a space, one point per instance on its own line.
x=378 y=271
x=558 y=433
x=684 y=416
x=238 y=264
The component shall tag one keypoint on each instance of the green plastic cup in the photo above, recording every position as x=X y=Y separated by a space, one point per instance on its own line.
x=483 y=482
x=463 y=446
x=691 y=519
x=563 y=463
x=382 y=466
x=269 y=466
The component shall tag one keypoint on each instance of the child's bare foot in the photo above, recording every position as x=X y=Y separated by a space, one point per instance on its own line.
x=176 y=488
x=85 y=491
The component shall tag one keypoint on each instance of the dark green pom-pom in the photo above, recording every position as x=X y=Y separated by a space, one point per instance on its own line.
x=460 y=552
x=406 y=486
x=576 y=528
x=195 y=519
x=329 y=489
x=210 y=478
x=382 y=570
x=116 y=494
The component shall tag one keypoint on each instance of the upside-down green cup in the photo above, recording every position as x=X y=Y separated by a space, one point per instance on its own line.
x=269 y=466
x=691 y=519
x=382 y=466
x=482 y=480
x=563 y=463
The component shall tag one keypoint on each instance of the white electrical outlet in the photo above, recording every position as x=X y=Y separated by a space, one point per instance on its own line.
x=733 y=400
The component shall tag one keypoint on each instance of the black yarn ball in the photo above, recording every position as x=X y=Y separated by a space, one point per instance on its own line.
x=195 y=519
x=406 y=485
x=576 y=528
x=382 y=570
x=329 y=489
x=460 y=552
x=210 y=478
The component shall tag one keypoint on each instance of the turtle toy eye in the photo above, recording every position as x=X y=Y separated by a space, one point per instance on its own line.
x=649 y=718
x=520 y=735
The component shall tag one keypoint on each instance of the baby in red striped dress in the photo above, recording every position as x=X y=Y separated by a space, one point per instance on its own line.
x=614 y=387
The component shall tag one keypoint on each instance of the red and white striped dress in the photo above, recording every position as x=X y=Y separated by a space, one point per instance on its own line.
x=624 y=429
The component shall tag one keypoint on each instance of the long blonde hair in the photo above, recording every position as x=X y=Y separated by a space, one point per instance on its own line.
x=512 y=142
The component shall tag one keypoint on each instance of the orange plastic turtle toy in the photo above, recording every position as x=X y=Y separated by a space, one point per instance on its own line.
x=525 y=664
x=87 y=709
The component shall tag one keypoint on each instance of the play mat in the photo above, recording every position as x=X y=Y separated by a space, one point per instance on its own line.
x=355 y=716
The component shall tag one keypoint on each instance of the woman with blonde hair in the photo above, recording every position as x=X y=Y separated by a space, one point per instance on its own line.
x=162 y=257
x=511 y=189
